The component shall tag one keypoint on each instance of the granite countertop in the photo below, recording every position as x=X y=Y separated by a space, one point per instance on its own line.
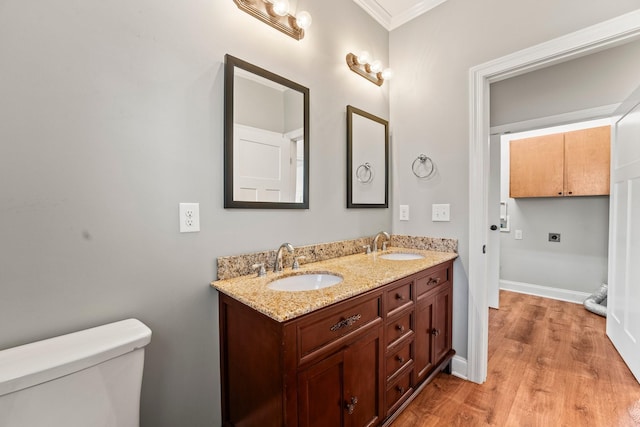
x=360 y=273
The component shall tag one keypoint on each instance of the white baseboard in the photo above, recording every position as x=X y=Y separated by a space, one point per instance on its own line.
x=459 y=367
x=544 y=291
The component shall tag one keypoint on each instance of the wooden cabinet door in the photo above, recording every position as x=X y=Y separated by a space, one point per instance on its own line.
x=363 y=381
x=536 y=166
x=442 y=323
x=343 y=389
x=423 y=341
x=587 y=162
x=320 y=393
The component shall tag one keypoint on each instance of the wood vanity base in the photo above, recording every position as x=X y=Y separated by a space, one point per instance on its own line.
x=358 y=362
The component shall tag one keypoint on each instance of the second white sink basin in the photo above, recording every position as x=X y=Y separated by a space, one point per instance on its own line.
x=401 y=256
x=305 y=282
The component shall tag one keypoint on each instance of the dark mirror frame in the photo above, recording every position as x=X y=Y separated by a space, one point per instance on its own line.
x=231 y=63
x=350 y=112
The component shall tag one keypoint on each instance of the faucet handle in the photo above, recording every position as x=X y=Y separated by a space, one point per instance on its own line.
x=262 y=271
x=296 y=264
x=367 y=249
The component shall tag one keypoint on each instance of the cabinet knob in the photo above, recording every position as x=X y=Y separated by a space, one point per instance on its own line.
x=400 y=359
x=351 y=406
x=559 y=193
x=400 y=328
x=400 y=389
x=435 y=332
x=399 y=297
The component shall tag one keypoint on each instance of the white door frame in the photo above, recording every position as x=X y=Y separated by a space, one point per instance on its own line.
x=583 y=42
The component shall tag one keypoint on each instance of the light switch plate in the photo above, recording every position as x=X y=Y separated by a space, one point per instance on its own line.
x=404 y=212
x=189 y=217
x=518 y=235
x=440 y=212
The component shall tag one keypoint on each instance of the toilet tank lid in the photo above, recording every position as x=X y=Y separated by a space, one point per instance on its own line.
x=30 y=364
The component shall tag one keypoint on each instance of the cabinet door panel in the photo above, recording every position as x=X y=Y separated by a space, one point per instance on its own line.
x=537 y=166
x=363 y=381
x=442 y=324
x=586 y=163
x=423 y=341
x=320 y=398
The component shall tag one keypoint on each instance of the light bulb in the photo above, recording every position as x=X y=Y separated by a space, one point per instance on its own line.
x=387 y=74
x=364 y=57
x=376 y=66
x=281 y=7
x=303 y=19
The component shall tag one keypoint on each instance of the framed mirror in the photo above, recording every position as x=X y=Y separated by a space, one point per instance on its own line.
x=367 y=160
x=266 y=139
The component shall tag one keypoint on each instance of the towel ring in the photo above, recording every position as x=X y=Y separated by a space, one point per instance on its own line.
x=364 y=173
x=427 y=165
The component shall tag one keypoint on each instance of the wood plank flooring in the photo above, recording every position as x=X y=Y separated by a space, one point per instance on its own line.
x=550 y=364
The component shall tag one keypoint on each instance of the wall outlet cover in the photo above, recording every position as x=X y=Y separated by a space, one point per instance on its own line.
x=189 y=214
x=518 y=235
x=404 y=212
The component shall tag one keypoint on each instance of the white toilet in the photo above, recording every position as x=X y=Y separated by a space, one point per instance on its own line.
x=87 y=378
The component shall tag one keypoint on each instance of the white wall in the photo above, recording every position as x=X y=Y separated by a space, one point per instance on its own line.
x=112 y=114
x=429 y=100
x=579 y=261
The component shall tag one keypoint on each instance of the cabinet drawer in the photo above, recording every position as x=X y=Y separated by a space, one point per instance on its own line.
x=399 y=391
x=430 y=281
x=322 y=328
x=398 y=329
x=398 y=360
x=398 y=297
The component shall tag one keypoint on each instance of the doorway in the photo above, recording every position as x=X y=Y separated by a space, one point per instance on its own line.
x=598 y=37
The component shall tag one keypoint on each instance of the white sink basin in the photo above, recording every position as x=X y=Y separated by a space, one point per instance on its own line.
x=305 y=282
x=401 y=256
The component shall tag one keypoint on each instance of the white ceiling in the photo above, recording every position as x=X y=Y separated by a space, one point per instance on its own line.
x=393 y=13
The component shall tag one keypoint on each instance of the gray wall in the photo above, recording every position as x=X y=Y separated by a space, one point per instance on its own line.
x=112 y=114
x=595 y=80
x=429 y=100
x=578 y=262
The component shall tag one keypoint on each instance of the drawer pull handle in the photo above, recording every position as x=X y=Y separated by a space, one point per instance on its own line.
x=433 y=281
x=346 y=322
x=399 y=297
x=351 y=406
x=400 y=389
x=435 y=332
x=400 y=359
x=400 y=328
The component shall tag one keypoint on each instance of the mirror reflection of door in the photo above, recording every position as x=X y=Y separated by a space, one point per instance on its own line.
x=268 y=141
x=369 y=161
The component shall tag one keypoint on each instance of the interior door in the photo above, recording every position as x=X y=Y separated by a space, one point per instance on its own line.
x=623 y=303
x=493 y=242
x=262 y=165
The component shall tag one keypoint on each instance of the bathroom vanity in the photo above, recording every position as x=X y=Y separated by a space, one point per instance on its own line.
x=353 y=354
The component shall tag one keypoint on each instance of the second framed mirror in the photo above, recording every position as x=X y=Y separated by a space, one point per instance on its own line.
x=367 y=160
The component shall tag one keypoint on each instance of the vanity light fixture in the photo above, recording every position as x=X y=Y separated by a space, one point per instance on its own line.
x=276 y=13
x=371 y=70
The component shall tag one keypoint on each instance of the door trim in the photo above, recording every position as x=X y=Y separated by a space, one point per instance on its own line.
x=598 y=37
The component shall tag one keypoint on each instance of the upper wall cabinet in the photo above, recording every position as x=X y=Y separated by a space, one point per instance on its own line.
x=564 y=164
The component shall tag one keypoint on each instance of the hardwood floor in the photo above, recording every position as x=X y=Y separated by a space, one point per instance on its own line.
x=550 y=364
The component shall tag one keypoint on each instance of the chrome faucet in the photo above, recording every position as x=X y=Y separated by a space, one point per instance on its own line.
x=277 y=265
x=375 y=240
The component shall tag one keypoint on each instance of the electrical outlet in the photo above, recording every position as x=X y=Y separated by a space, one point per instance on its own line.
x=554 y=237
x=518 y=235
x=189 y=217
x=440 y=212
x=404 y=212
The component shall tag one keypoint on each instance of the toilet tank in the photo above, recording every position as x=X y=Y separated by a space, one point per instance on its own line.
x=87 y=378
